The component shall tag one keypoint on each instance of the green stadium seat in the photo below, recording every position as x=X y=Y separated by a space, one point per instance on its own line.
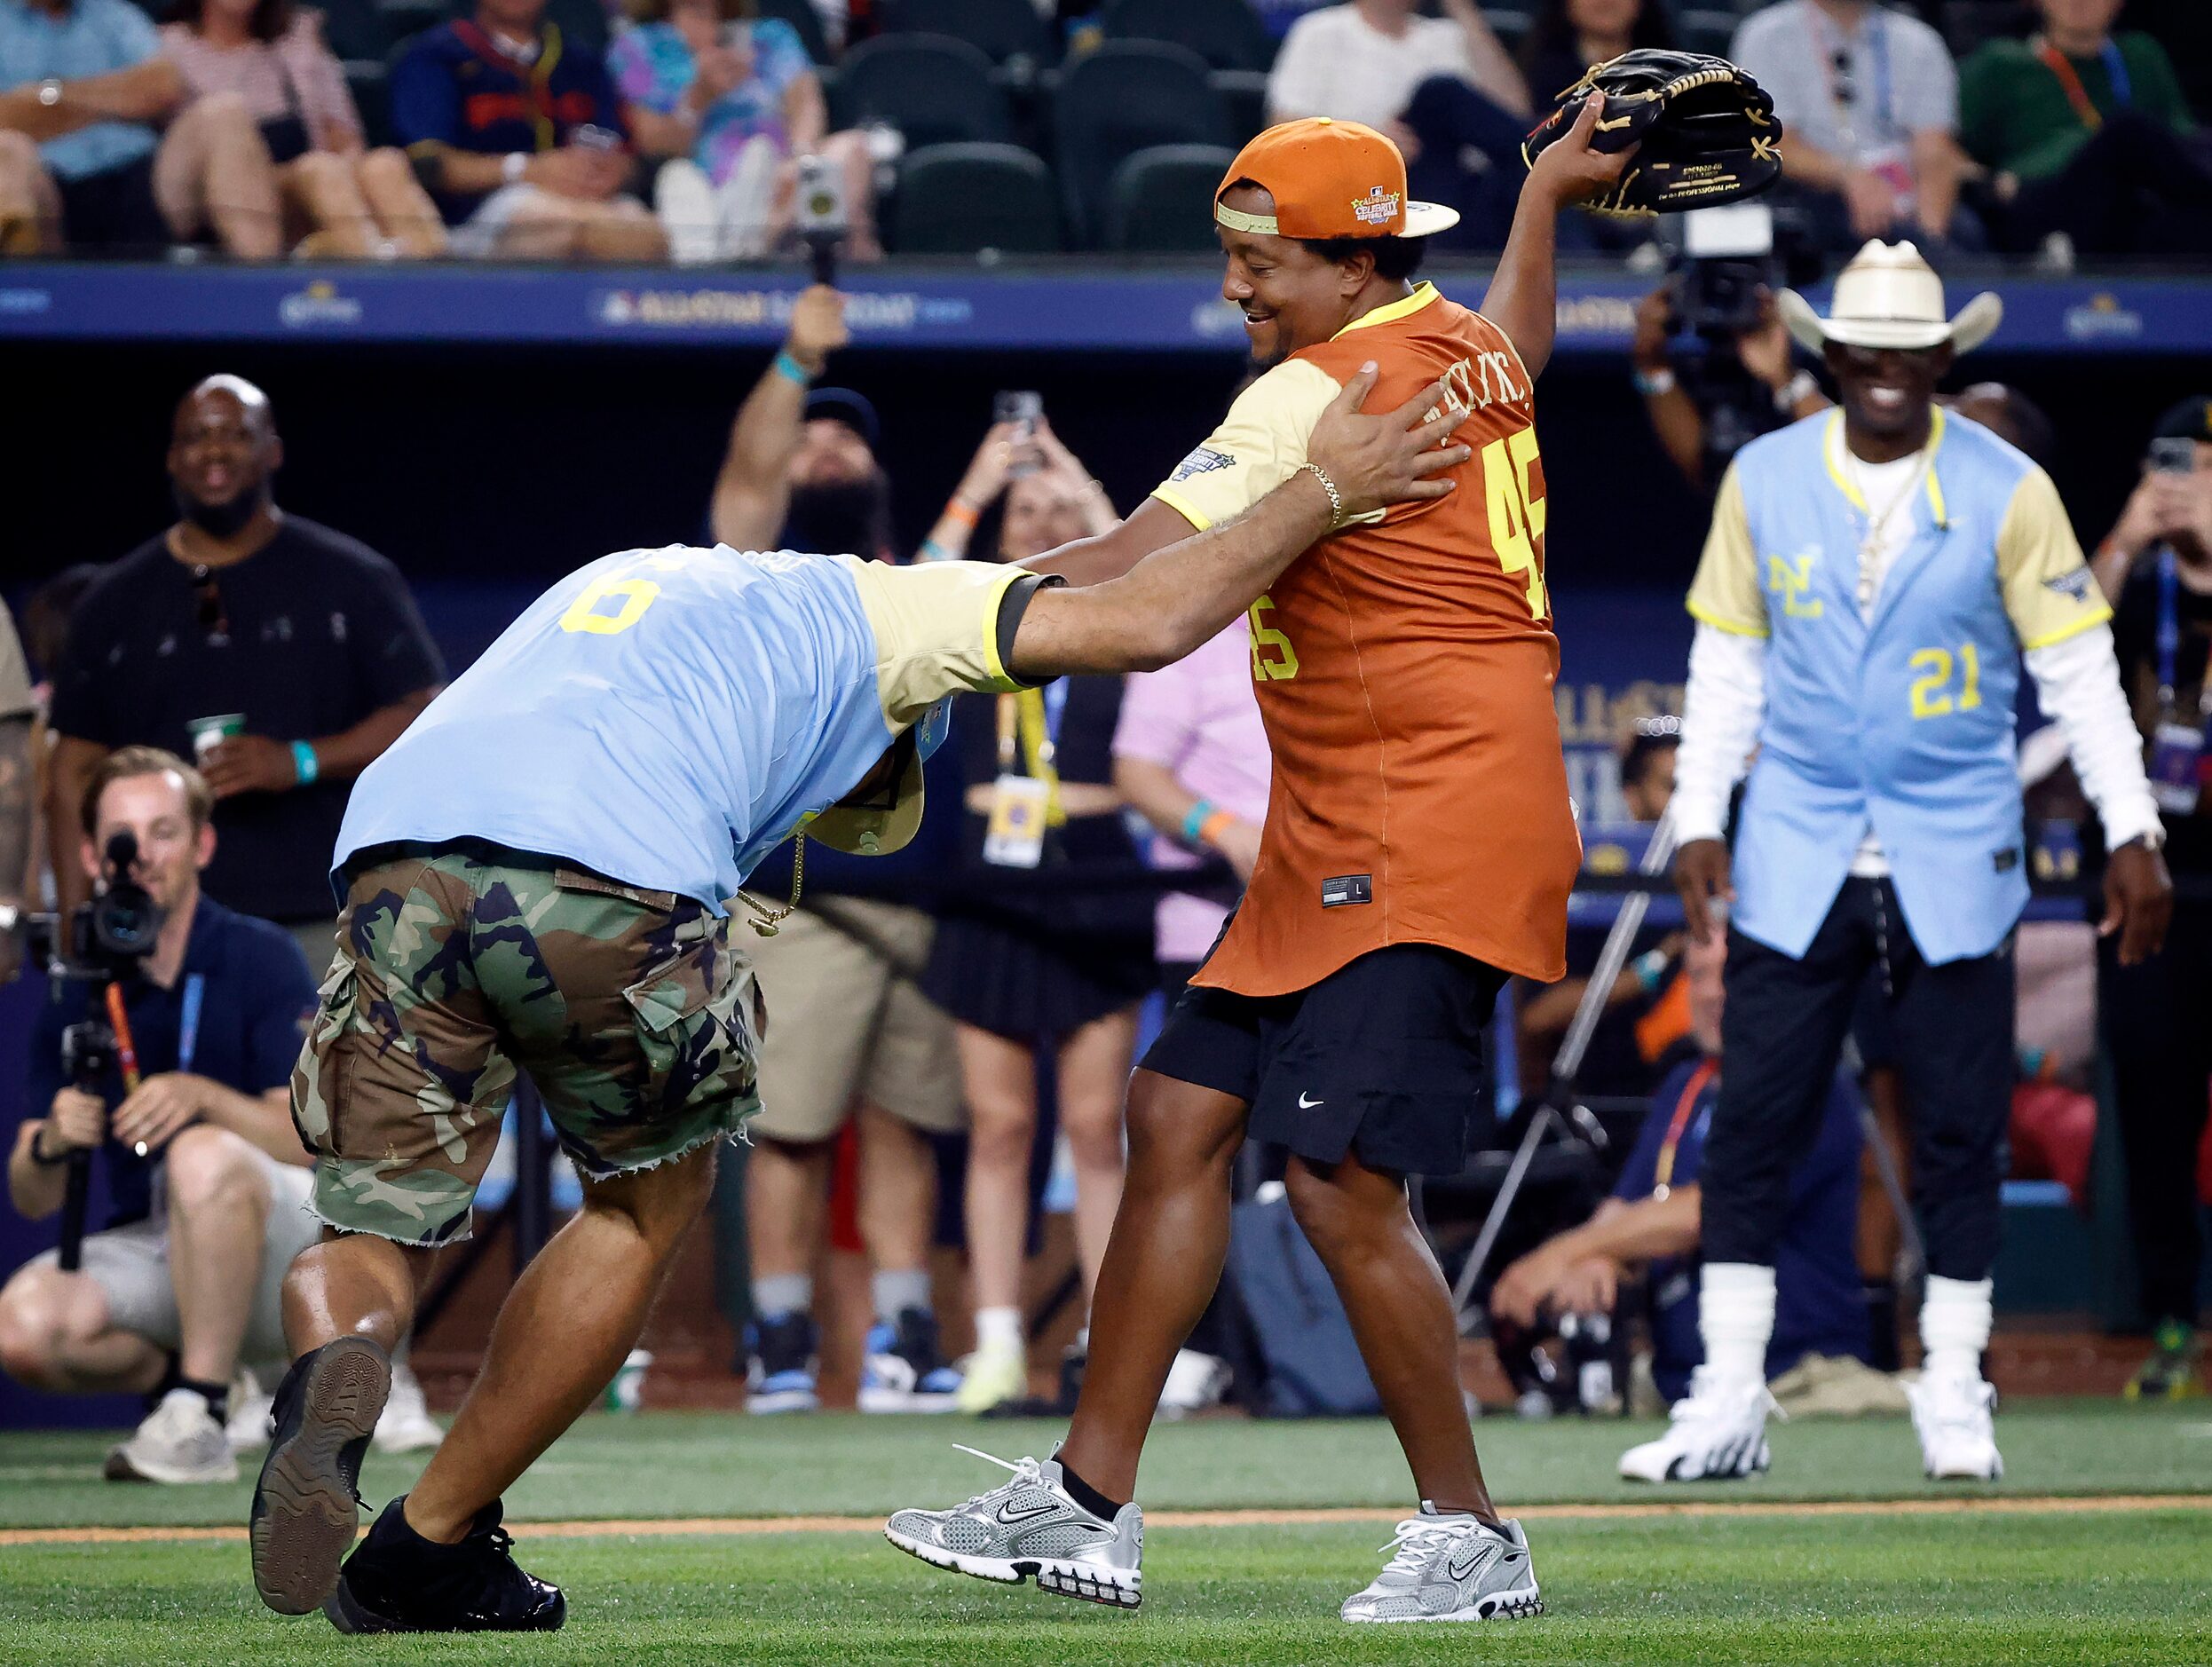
x=1127 y=97
x=1005 y=31
x=1161 y=200
x=933 y=88
x=964 y=199
x=1225 y=32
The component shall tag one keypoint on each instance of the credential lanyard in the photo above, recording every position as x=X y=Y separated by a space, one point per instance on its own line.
x=188 y=1027
x=1877 y=52
x=1662 y=1170
x=2069 y=81
x=2169 y=641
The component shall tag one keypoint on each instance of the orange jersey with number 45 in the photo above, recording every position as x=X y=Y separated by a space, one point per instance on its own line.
x=1405 y=669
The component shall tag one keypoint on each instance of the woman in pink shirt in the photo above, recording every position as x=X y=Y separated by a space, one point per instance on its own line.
x=352 y=202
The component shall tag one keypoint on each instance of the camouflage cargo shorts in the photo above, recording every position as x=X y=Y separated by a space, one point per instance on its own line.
x=457 y=966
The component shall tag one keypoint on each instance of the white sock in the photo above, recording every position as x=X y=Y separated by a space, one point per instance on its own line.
x=1954 y=1327
x=775 y=1295
x=998 y=1328
x=1736 y=1318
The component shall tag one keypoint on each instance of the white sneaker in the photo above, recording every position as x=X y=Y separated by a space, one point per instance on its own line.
x=179 y=1441
x=995 y=1373
x=1195 y=1382
x=1030 y=1529
x=684 y=200
x=253 y=1414
x=406 y=1424
x=1450 y=1569
x=1716 y=1433
x=1958 y=1434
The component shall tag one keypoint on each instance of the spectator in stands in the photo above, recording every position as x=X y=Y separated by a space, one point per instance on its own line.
x=1035 y=957
x=1652 y=1222
x=1869 y=98
x=851 y=1037
x=2154 y=1012
x=2087 y=138
x=1755 y=389
x=520 y=141
x=209 y=1180
x=19 y=719
x=732 y=99
x=287 y=655
x=1190 y=757
x=102 y=149
x=356 y=202
x=1443 y=89
x=1570 y=36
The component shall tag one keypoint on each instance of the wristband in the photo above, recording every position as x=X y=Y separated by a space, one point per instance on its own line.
x=1211 y=830
x=960 y=514
x=304 y=765
x=39 y=1158
x=1194 y=821
x=1649 y=968
x=1652 y=383
x=1790 y=393
x=792 y=370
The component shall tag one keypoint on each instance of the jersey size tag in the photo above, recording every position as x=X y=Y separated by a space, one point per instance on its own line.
x=2178 y=767
x=1344 y=889
x=1014 y=837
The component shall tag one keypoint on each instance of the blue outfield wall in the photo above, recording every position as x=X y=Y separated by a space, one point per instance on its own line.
x=1169 y=305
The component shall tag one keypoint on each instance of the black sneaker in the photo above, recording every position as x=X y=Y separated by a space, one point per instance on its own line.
x=399 y=1581
x=306 y=1509
x=903 y=1369
x=781 y=1370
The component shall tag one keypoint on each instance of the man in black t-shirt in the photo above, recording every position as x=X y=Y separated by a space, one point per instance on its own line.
x=2154 y=1012
x=285 y=656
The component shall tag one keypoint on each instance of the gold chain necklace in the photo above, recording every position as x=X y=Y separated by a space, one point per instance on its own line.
x=1871 y=546
x=768 y=918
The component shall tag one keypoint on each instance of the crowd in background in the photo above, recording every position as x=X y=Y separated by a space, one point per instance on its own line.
x=243 y=665
x=552 y=130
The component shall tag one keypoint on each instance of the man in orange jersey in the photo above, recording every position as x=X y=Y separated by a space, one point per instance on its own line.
x=1418 y=850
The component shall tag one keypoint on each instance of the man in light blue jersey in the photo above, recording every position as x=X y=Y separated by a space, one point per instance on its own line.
x=537 y=876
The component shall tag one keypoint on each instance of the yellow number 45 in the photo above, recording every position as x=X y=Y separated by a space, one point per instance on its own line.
x=1272 y=655
x=1517 y=514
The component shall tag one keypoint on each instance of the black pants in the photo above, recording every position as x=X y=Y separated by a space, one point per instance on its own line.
x=2158 y=1030
x=1780 y=1034
x=2134 y=188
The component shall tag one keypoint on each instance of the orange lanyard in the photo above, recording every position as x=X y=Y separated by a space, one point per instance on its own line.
x=2070 y=80
x=1662 y=1171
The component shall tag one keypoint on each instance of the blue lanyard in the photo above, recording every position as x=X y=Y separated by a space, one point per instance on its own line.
x=1055 y=710
x=188 y=1028
x=2116 y=73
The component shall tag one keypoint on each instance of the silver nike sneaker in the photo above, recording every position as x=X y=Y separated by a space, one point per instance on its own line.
x=1450 y=1569
x=1030 y=1529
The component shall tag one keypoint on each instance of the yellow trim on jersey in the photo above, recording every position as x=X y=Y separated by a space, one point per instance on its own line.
x=1183 y=507
x=2089 y=623
x=994 y=599
x=1705 y=616
x=1391 y=311
x=1832 y=452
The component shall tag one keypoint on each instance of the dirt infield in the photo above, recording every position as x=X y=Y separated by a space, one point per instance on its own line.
x=652 y=1527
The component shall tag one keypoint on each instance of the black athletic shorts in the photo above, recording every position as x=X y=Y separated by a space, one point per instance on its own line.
x=1383 y=1057
x=114 y=211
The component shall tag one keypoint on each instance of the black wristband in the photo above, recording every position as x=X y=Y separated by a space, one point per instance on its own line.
x=41 y=1159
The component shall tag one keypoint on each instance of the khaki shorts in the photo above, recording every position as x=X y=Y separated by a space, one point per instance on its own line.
x=635 y=1019
x=851 y=1024
x=131 y=1266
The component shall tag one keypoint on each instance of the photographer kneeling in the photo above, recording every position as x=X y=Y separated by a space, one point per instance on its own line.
x=208 y=1179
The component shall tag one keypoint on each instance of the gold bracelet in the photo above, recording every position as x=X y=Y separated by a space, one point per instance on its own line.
x=1336 y=500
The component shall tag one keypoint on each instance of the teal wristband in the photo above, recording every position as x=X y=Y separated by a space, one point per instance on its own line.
x=303 y=766
x=1196 y=820
x=792 y=369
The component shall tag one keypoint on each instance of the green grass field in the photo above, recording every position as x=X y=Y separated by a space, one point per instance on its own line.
x=1788 y=1583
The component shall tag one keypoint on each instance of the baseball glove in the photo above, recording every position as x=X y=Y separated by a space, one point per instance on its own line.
x=1707 y=131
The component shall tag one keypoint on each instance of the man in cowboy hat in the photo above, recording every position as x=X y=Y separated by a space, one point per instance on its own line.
x=1874 y=576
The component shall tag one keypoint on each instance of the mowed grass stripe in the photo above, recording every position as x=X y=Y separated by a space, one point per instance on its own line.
x=620 y=1528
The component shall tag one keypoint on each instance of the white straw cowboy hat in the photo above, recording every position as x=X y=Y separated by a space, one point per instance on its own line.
x=1889 y=296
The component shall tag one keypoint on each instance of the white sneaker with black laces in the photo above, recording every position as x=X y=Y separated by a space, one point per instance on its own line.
x=179 y=1441
x=1452 y=1569
x=1031 y=1528
x=1954 y=1417
x=1716 y=1433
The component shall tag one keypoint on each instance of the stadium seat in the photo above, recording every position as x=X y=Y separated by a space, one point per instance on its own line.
x=1706 y=31
x=1122 y=99
x=355 y=29
x=1226 y=33
x=802 y=17
x=1967 y=24
x=1004 y=30
x=963 y=199
x=1243 y=95
x=1161 y=200
x=403 y=18
x=1510 y=27
x=933 y=88
x=369 y=83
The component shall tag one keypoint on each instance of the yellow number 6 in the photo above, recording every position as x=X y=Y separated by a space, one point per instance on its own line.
x=638 y=595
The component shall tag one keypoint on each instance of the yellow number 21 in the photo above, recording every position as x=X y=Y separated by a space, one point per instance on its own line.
x=1517 y=515
x=583 y=613
x=1931 y=691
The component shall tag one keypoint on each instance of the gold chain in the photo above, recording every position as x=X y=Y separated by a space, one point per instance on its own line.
x=769 y=919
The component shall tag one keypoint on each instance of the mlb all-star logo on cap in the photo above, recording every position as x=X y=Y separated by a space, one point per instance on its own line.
x=1379 y=207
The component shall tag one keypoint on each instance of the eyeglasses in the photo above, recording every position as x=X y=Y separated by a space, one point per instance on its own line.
x=215 y=623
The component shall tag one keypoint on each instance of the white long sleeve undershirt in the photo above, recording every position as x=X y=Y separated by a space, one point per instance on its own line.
x=2077 y=680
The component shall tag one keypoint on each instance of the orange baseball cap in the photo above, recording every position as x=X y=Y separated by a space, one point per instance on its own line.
x=1328 y=178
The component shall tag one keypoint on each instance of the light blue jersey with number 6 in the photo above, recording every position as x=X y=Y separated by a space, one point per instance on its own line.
x=667 y=716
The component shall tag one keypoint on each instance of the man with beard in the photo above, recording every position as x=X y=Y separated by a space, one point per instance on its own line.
x=280 y=656
x=854 y=1039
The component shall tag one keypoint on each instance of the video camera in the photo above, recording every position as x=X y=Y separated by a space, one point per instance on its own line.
x=108 y=937
x=1725 y=257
